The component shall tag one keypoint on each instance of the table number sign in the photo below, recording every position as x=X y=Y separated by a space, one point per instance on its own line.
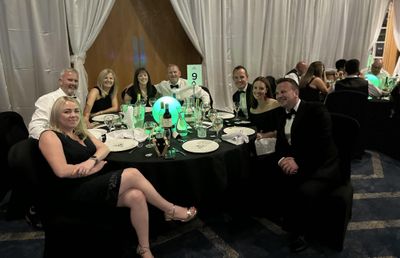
x=194 y=74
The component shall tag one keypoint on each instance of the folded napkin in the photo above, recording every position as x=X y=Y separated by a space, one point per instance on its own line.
x=236 y=138
x=138 y=134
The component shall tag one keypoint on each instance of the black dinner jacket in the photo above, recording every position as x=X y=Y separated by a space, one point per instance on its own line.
x=352 y=83
x=312 y=144
x=236 y=97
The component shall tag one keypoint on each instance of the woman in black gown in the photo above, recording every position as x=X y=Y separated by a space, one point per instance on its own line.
x=141 y=85
x=77 y=159
x=264 y=109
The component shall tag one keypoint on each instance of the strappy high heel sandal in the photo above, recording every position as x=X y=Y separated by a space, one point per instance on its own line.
x=190 y=214
x=141 y=250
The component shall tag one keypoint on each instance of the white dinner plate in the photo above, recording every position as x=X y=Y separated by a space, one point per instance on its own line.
x=120 y=144
x=200 y=146
x=97 y=132
x=100 y=118
x=238 y=129
x=225 y=115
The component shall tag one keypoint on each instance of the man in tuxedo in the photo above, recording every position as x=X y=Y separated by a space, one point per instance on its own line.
x=307 y=158
x=244 y=90
x=179 y=87
x=352 y=81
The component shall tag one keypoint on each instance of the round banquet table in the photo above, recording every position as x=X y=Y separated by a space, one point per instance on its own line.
x=207 y=180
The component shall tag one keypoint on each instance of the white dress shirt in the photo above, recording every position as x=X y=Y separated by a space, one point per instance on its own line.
x=293 y=76
x=289 y=122
x=41 y=116
x=183 y=92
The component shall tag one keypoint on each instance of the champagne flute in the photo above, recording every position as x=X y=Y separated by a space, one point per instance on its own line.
x=149 y=129
x=217 y=125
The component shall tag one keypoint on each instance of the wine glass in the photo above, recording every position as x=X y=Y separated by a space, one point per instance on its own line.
x=109 y=122
x=236 y=107
x=152 y=101
x=149 y=129
x=217 y=126
x=205 y=106
x=212 y=114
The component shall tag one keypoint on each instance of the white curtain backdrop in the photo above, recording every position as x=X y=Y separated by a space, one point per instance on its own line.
x=269 y=37
x=396 y=31
x=85 y=20
x=33 y=50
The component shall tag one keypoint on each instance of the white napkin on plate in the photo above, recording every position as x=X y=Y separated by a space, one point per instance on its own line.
x=236 y=138
x=138 y=134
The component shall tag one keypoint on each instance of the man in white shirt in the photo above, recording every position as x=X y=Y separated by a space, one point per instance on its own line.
x=297 y=72
x=178 y=87
x=68 y=82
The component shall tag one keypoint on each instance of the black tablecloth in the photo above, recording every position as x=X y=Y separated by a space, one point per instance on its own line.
x=204 y=180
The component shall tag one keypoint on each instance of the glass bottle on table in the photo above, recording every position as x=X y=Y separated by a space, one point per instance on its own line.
x=167 y=122
x=181 y=125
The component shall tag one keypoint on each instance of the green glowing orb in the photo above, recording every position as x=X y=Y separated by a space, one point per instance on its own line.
x=373 y=79
x=174 y=108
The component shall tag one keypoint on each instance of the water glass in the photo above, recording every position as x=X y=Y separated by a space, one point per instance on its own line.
x=201 y=131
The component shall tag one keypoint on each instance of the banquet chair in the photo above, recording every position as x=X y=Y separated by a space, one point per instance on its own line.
x=335 y=211
x=71 y=230
x=209 y=94
x=353 y=104
x=12 y=130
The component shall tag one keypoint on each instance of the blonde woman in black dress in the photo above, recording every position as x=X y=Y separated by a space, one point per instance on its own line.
x=77 y=159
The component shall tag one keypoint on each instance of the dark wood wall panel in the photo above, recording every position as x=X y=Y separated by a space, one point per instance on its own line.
x=140 y=33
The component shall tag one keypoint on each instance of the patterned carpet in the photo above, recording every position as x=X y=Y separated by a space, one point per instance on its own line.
x=373 y=231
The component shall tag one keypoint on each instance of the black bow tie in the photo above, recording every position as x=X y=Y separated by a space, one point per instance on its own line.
x=174 y=86
x=289 y=115
x=241 y=91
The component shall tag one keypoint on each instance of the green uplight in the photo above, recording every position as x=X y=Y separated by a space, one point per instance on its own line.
x=174 y=108
x=373 y=79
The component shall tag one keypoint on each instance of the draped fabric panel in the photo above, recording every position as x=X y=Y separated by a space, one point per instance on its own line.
x=269 y=37
x=33 y=51
x=85 y=19
x=396 y=31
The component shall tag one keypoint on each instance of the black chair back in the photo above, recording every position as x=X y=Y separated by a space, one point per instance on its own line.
x=348 y=102
x=345 y=130
x=12 y=130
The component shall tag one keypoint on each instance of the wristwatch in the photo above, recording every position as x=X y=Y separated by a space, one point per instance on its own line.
x=94 y=157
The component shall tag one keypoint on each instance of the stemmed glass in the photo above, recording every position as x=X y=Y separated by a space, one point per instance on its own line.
x=212 y=114
x=109 y=122
x=236 y=107
x=148 y=129
x=217 y=125
x=152 y=101
x=205 y=106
